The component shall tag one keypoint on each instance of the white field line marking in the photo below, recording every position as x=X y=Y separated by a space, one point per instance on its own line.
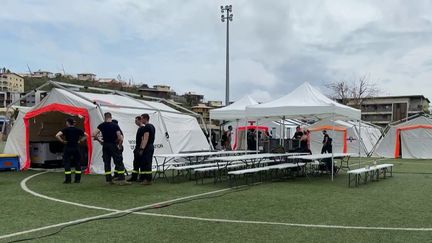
x=115 y=211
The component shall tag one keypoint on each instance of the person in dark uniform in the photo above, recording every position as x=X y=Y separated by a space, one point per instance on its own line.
x=296 y=138
x=121 y=149
x=145 y=140
x=213 y=139
x=327 y=148
x=251 y=140
x=111 y=141
x=135 y=171
x=71 y=137
x=327 y=143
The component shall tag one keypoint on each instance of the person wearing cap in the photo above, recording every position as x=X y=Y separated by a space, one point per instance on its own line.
x=71 y=137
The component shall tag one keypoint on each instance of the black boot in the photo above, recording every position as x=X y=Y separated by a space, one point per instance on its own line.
x=68 y=179
x=108 y=178
x=134 y=177
x=77 y=177
x=141 y=178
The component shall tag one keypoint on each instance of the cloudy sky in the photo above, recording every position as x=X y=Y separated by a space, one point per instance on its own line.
x=275 y=44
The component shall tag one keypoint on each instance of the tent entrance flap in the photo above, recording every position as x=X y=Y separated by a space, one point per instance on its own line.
x=337 y=129
x=398 y=151
x=46 y=114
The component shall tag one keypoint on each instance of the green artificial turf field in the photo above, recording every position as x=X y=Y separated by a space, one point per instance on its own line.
x=255 y=213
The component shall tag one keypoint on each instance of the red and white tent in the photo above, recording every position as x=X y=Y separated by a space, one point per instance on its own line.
x=175 y=131
x=409 y=140
x=347 y=135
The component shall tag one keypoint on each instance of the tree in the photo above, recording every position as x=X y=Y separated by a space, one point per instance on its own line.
x=353 y=92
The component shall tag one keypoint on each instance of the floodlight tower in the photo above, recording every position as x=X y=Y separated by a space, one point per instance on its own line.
x=228 y=16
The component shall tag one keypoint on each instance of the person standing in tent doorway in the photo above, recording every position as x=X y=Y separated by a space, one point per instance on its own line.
x=111 y=141
x=145 y=140
x=136 y=165
x=228 y=135
x=327 y=143
x=71 y=137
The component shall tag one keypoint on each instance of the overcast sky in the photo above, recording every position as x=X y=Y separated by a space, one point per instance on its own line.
x=275 y=44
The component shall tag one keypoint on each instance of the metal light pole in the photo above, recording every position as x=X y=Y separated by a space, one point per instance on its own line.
x=229 y=17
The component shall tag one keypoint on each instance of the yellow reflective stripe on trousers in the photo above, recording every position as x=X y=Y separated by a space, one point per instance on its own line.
x=135 y=172
x=146 y=172
x=77 y=172
x=68 y=172
x=107 y=172
x=120 y=172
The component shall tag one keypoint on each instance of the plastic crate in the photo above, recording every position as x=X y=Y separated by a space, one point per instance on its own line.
x=9 y=162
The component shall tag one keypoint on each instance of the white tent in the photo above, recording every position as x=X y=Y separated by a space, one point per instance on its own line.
x=346 y=136
x=303 y=102
x=409 y=140
x=236 y=110
x=175 y=131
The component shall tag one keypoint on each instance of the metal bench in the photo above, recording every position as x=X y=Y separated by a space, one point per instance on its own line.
x=371 y=173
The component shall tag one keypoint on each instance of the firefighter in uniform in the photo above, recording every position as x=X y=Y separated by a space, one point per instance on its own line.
x=111 y=141
x=145 y=141
x=71 y=137
x=135 y=171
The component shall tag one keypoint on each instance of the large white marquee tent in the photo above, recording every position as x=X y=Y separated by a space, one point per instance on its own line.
x=175 y=131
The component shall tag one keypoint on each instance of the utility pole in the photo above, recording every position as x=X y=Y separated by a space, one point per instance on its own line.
x=229 y=17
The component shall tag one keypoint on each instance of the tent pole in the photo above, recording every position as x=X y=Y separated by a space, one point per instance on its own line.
x=236 y=133
x=256 y=137
x=246 y=134
x=210 y=136
x=283 y=127
x=333 y=130
x=360 y=141
x=280 y=134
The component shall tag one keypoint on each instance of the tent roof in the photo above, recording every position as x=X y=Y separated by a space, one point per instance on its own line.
x=234 y=111
x=424 y=120
x=303 y=102
x=108 y=100
x=118 y=100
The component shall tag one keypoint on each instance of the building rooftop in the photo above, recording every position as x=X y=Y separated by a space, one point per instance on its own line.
x=86 y=74
x=201 y=106
x=393 y=97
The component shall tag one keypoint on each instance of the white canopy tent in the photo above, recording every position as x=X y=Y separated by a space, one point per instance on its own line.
x=411 y=139
x=304 y=102
x=346 y=138
x=175 y=131
x=235 y=111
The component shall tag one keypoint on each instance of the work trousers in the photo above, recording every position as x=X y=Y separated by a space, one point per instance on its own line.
x=327 y=149
x=136 y=167
x=111 y=150
x=145 y=162
x=72 y=158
